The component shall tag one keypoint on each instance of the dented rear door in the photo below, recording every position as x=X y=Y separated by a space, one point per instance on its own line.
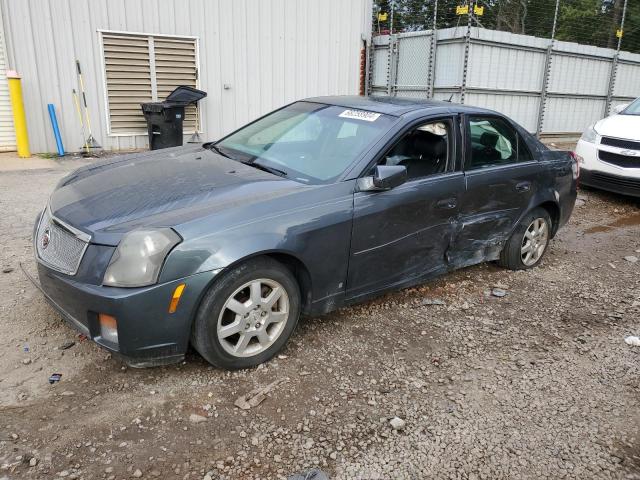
x=495 y=197
x=492 y=204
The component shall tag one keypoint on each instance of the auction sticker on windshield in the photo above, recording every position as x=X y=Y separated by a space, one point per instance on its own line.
x=360 y=115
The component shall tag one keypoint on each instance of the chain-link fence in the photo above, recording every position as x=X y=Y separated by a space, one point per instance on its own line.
x=554 y=65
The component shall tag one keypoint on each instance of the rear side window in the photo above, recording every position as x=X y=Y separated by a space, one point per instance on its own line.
x=494 y=142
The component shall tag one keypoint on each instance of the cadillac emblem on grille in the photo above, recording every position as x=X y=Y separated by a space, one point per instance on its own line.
x=58 y=246
x=46 y=237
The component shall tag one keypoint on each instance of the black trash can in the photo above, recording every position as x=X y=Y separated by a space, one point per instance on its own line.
x=164 y=124
x=165 y=119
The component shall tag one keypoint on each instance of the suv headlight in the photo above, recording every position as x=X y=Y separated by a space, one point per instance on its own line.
x=139 y=257
x=590 y=135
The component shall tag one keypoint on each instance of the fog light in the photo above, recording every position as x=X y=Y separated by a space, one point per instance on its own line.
x=108 y=327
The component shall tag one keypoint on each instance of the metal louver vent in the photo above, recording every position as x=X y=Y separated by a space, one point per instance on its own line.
x=175 y=62
x=144 y=68
x=128 y=75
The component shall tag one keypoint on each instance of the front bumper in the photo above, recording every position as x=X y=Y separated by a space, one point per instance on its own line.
x=611 y=183
x=606 y=176
x=147 y=334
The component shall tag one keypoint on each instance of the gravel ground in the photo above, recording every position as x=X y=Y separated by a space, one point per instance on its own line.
x=441 y=381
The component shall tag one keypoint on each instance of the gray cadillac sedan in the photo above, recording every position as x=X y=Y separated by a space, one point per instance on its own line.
x=322 y=203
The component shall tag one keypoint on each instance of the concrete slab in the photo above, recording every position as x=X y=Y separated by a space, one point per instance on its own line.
x=9 y=162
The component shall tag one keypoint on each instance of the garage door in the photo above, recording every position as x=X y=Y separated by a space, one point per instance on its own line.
x=7 y=135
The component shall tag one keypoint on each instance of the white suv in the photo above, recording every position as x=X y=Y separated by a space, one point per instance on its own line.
x=610 y=151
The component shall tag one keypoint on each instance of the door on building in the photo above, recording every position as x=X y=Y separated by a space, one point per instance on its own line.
x=7 y=134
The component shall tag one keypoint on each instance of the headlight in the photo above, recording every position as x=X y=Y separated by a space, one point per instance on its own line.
x=139 y=257
x=590 y=135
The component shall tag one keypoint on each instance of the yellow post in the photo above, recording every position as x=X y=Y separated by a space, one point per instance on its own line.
x=19 y=119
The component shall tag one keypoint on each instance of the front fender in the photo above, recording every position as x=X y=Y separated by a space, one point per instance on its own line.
x=316 y=231
x=214 y=251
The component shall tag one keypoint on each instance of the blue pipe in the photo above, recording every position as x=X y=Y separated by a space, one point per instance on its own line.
x=56 y=130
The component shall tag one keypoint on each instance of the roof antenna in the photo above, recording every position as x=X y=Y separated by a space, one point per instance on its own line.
x=450 y=98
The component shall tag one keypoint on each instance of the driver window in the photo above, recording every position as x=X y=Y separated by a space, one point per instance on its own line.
x=424 y=151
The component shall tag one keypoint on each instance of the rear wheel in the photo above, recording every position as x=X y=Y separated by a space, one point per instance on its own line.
x=528 y=243
x=248 y=315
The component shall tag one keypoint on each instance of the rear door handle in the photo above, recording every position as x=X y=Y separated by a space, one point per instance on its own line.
x=447 y=203
x=523 y=187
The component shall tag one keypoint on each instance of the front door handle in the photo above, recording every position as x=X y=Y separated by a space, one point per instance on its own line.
x=447 y=203
x=523 y=187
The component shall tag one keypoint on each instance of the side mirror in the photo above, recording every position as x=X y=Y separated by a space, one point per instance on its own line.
x=621 y=107
x=385 y=177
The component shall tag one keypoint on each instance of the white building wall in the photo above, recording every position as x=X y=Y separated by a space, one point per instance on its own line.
x=7 y=133
x=267 y=52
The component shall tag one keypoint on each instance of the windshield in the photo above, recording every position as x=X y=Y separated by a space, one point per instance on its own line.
x=307 y=142
x=633 y=109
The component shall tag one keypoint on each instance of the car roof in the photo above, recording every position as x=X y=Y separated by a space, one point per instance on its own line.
x=395 y=106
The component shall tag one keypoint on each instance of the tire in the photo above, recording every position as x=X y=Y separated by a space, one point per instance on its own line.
x=234 y=328
x=534 y=230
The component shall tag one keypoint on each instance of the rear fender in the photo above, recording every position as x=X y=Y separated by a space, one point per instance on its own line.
x=548 y=199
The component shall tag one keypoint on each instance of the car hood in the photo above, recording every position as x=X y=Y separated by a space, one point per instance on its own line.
x=620 y=126
x=161 y=188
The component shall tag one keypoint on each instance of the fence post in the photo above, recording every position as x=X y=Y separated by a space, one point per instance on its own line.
x=431 y=76
x=467 y=45
x=369 y=68
x=390 y=64
x=392 y=5
x=547 y=73
x=394 y=55
x=614 y=64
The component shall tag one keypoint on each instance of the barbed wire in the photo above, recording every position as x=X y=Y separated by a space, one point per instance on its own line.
x=588 y=22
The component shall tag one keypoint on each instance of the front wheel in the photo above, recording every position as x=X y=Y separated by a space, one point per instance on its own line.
x=248 y=315
x=528 y=243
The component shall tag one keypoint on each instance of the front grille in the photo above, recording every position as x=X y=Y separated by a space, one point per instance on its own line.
x=58 y=247
x=621 y=143
x=626 y=161
x=616 y=182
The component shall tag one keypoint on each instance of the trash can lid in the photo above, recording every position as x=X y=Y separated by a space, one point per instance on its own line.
x=185 y=95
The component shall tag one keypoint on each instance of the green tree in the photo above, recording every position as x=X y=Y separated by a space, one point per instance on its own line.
x=631 y=37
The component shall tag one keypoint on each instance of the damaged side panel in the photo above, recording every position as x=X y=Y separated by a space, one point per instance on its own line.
x=402 y=234
x=494 y=200
x=478 y=238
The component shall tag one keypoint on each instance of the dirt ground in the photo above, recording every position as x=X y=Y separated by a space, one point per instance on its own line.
x=538 y=383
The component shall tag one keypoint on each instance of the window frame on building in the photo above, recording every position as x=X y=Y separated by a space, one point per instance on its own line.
x=153 y=95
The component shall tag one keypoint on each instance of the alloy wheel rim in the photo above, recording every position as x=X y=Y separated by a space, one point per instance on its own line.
x=534 y=242
x=253 y=317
